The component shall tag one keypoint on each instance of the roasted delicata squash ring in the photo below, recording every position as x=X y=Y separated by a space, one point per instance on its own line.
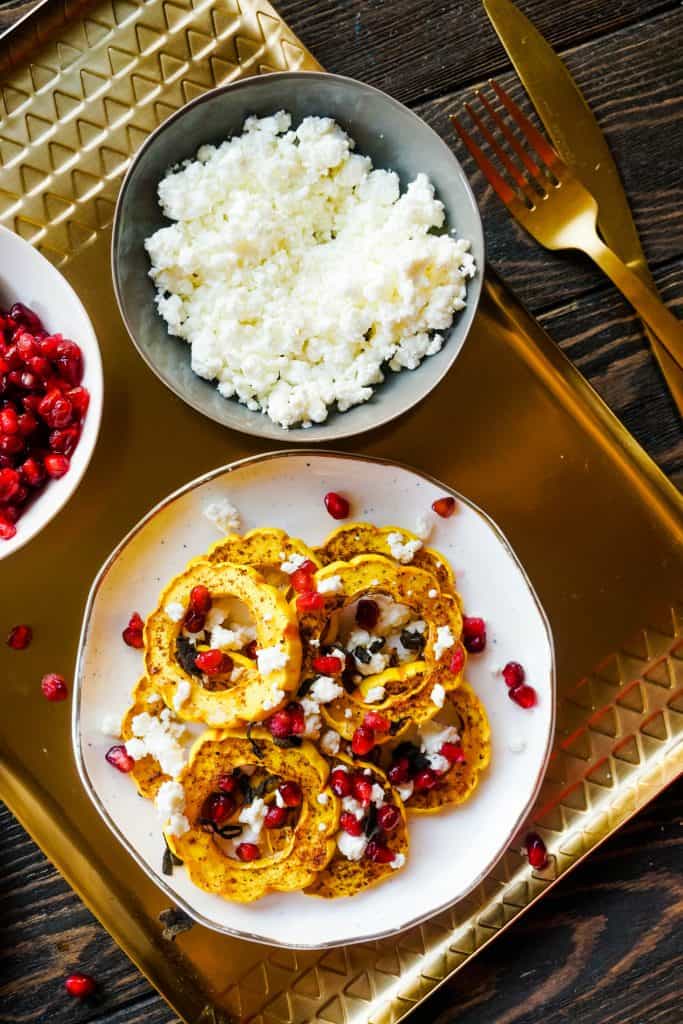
x=353 y=539
x=310 y=845
x=344 y=877
x=458 y=784
x=265 y=549
x=244 y=699
x=146 y=772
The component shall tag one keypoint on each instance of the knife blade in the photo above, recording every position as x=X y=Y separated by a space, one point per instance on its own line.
x=579 y=140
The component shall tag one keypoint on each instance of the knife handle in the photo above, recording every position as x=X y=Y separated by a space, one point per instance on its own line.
x=668 y=329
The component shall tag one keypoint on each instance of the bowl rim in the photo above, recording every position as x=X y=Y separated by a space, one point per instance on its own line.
x=319 y=432
x=77 y=737
x=93 y=355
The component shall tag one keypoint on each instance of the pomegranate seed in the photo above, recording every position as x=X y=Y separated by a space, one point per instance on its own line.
x=119 y=758
x=378 y=852
x=64 y=441
x=337 y=506
x=200 y=599
x=426 y=779
x=453 y=752
x=80 y=399
x=399 y=772
x=27 y=423
x=7 y=529
x=523 y=695
x=54 y=687
x=291 y=793
x=218 y=807
x=310 y=602
x=327 y=665
x=9 y=422
x=350 y=823
x=340 y=782
x=11 y=444
x=361 y=787
x=457 y=661
x=48 y=346
x=474 y=634
x=32 y=472
x=536 y=851
x=302 y=580
x=69 y=361
x=9 y=484
x=19 y=637
x=60 y=413
x=25 y=316
x=513 y=674
x=248 y=851
x=40 y=366
x=56 y=465
x=194 y=622
x=444 y=507
x=275 y=817
x=388 y=817
x=363 y=740
x=80 y=986
x=377 y=721
x=367 y=613
x=297 y=717
x=280 y=724
x=132 y=634
x=250 y=650
x=213 y=662
x=227 y=783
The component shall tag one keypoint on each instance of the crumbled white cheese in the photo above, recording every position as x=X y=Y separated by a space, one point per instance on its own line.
x=293 y=563
x=438 y=763
x=175 y=611
x=354 y=807
x=359 y=638
x=322 y=827
x=398 y=861
x=433 y=593
x=351 y=847
x=405 y=790
x=323 y=798
x=330 y=585
x=403 y=551
x=438 y=695
x=153 y=698
x=312 y=720
x=423 y=526
x=279 y=799
x=223 y=515
x=325 y=689
x=348 y=713
x=392 y=616
x=377 y=794
x=444 y=640
x=111 y=725
x=182 y=692
x=170 y=804
x=275 y=697
x=254 y=814
x=378 y=662
x=433 y=735
x=516 y=744
x=270 y=659
x=374 y=695
x=329 y=742
x=232 y=638
x=158 y=737
x=296 y=272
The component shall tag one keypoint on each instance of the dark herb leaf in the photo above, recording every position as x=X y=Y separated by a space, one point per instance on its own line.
x=245 y=785
x=224 y=831
x=167 y=863
x=377 y=645
x=362 y=654
x=371 y=827
x=256 y=747
x=268 y=785
x=398 y=725
x=185 y=653
x=287 y=741
x=306 y=684
x=412 y=641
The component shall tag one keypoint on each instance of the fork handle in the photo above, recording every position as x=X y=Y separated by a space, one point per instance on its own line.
x=668 y=329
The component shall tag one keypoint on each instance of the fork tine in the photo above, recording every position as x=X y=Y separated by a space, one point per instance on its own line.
x=537 y=142
x=530 y=164
x=509 y=165
x=499 y=185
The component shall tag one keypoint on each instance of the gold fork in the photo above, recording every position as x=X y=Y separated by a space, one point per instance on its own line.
x=541 y=192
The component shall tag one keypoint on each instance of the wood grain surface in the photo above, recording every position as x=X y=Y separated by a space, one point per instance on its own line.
x=604 y=947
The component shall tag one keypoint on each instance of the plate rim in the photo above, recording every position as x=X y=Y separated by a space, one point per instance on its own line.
x=76 y=735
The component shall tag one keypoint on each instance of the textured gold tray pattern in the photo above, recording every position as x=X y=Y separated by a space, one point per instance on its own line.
x=598 y=527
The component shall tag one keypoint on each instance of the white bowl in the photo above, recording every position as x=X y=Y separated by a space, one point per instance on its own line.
x=26 y=276
x=450 y=853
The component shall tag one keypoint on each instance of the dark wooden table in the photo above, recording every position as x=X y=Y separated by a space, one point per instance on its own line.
x=604 y=947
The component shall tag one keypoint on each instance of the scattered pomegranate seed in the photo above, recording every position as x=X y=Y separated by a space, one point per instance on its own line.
x=474 y=634
x=54 y=687
x=200 y=599
x=80 y=986
x=536 y=851
x=248 y=851
x=9 y=484
x=298 y=718
x=523 y=695
x=453 y=752
x=213 y=662
x=376 y=721
x=132 y=634
x=280 y=724
x=291 y=793
x=32 y=472
x=363 y=740
x=361 y=787
x=119 y=758
x=327 y=665
x=227 y=783
x=340 y=782
x=218 y=807
x=194 y=622
x=457 y=660
x=336 y=505
x=513 y=674
x=388 y=817
x=378 y=852
x=399 y=772
x=350 y=823
x=310 y=601
x=367 y=613
x=444 y=507
x=275 y=817
x=302 y=579
x=56 y=465
x=426 y=779
x=250 y=650
x=19 y=637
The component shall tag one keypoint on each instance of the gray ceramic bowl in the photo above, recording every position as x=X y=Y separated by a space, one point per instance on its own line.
x=386 y=131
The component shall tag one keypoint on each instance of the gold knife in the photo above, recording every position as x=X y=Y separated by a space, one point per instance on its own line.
x=580 y=142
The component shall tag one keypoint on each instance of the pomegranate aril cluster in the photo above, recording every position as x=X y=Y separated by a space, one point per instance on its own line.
x=518 y=691
x=42 y=408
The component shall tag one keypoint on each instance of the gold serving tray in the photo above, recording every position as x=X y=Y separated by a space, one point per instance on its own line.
x=514 y=426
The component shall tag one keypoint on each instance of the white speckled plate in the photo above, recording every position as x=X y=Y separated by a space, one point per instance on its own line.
x=450 y=852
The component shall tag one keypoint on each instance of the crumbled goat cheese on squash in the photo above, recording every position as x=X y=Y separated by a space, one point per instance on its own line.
x=423 y=526
x=269 y=659
x=351 y=847
x=398 y=861
x=374 y=695
x=329 y=744
x=438 y=695
x=182 y=692
x=158 y=737
x=444 y=640
x=253 y=815
x=331 y=585
x=433 y=735
x=325 y=689
x=293 y=563
x=297 y=273
x=403 y=551
x=175 y=611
